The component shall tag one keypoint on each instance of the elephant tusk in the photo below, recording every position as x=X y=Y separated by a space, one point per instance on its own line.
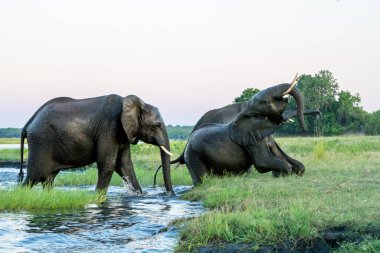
x=290 y=120
x=293 y=83
x=165 y=150
x=285 y=96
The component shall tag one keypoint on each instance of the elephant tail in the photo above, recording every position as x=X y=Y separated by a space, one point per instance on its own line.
x=21 y=173
x=179 y=160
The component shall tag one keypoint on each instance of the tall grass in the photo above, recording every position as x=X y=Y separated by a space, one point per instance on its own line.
x=9 y=140
x=340 y=189
x=9 y=154
x=89 y=176
x=24 y=198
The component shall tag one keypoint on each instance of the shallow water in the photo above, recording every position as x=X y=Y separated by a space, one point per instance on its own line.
x=12 y=146
x=126 y=223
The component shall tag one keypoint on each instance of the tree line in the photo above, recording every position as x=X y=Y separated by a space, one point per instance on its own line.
x=174 y=132
x=341 y=111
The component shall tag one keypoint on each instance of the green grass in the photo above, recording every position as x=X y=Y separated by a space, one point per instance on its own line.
x=10 y=141
x=24 y=198
x=9 y=154
x=89 y=176
x=367 y=246
x=340 y=188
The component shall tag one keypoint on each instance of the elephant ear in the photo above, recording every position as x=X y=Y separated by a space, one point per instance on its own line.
x=249 y=130
x=130 y=116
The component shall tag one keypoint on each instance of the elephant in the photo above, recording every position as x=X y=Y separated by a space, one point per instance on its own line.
x=246 y=140
x=229 y=112
x=70 y=133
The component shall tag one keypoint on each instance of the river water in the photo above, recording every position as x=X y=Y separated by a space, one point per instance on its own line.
x=12 y=146
x=126 y=223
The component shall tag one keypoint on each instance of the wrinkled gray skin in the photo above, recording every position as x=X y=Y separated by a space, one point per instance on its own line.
x=228 y=113
x=69 y=133
x=246 y=140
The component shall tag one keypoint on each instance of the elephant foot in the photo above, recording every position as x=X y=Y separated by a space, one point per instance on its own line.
x=276 y=174
x=298 y=170
x=135 y=189
x=285 y=173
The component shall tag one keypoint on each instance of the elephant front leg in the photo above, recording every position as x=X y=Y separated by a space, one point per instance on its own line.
x=297 y=167
x=104 y=176
x=126 y=170
x=264 y=161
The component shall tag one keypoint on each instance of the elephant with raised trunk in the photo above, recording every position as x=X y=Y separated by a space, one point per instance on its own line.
x=69 y=133
x=246 y=140
x=228 y=113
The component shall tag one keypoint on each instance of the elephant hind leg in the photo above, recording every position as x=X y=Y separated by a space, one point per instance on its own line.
x=49 y=180
x=40 y=168
x=197 y=170
x=30 y=181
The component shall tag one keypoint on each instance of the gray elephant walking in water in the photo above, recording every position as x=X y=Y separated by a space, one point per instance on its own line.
x=69 y=133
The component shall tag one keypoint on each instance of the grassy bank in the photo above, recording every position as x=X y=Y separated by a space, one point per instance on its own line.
x=9 y=154
x=339 y=191
x=22 y=198
x=10 y=141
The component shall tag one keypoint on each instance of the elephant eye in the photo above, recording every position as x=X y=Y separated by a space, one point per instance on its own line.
x=156 y=124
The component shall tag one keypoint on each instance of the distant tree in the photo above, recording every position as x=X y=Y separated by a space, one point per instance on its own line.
x=372 y=125
x=350 y=114
x=178 y=132
x=10 y=132
x=341 y=110
x=320 y=91
x=246 y=95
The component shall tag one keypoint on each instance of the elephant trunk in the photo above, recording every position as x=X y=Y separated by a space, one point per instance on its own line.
x=165 y=160
x=300 y=106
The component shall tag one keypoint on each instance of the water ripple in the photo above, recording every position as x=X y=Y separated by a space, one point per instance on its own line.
x=126 y=223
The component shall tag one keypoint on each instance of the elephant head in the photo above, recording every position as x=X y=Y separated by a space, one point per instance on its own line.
x=143 y=122
x=263 y=112
x=271 y=102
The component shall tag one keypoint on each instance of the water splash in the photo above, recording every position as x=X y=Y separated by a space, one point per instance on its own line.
x=126 y=223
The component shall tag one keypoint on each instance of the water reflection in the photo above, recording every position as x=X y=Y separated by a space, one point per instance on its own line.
x=124 y=224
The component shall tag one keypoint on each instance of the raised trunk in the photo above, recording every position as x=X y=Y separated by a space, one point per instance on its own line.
x=165 y=160
x=300 y=106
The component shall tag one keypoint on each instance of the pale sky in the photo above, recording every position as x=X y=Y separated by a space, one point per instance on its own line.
x=184 y=57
